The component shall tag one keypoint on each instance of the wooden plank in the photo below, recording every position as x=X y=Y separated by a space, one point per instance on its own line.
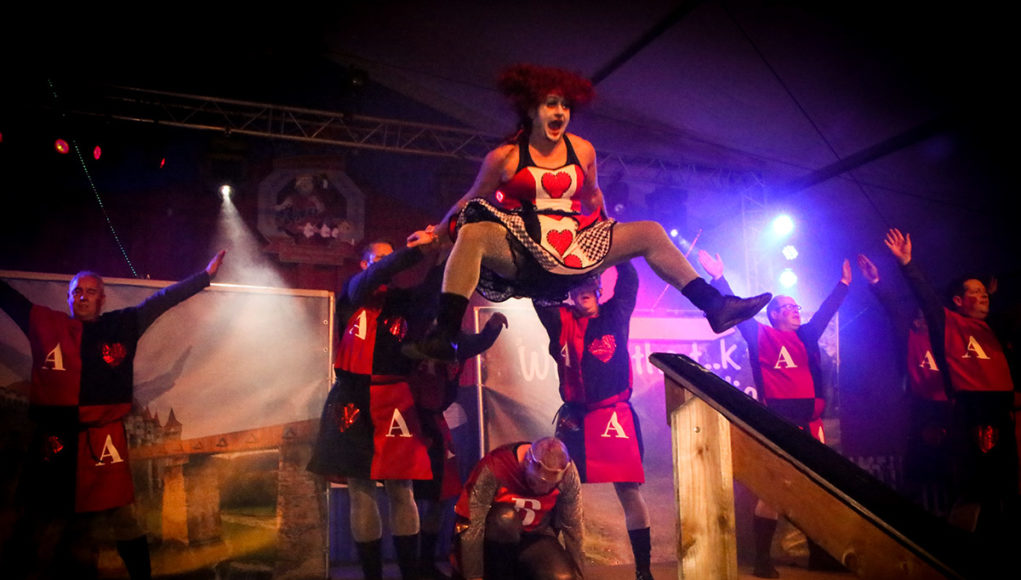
x=269 y=437
x=703 y=480
x=864 y=549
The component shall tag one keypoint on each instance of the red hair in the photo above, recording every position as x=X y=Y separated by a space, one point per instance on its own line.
x=527 y=85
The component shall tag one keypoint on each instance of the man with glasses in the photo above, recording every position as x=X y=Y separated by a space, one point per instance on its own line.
x=517 y=500
x=786 y=366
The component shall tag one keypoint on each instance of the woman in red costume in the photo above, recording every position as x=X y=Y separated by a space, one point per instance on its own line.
x=533 y=223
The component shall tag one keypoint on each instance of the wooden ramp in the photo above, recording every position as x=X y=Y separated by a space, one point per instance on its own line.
x=721 y=435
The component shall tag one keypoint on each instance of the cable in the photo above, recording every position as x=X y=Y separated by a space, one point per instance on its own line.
x=95 y=191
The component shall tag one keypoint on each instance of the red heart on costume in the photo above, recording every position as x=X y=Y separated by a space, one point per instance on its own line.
x=603 y=348
x=560 y=240
x=556 y=184
x=572 y=261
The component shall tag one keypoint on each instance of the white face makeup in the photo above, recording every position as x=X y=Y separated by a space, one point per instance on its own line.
x=551 y=117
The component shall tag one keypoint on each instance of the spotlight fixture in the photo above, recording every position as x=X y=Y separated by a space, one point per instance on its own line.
x=783 y=225
x=97 y=152
x=61 y=146
x=789 y=252
x=788 y=278
x=226 y=191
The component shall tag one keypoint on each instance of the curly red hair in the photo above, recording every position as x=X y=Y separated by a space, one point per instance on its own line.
x=527 y=85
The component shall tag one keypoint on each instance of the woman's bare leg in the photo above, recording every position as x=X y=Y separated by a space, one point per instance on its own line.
x=478 y=244
x=649 y=240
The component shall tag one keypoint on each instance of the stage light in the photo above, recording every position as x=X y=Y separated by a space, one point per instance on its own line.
x=783 y=225
x=789 y=252
x=97 y=152
x=226 y=191
x=61 y=146
x=788 y=278
x=673 y=232
x=163 y=162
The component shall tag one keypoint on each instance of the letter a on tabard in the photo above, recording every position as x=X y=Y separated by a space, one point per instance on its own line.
x=785 y=360
x=614 y=425
x=402 y=426
x=109 y=451
x=55 y=359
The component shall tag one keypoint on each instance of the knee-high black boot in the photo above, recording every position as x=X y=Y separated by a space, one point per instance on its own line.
x=441 y=341
x=763 y=529
x=407 y=556
x=370 y=556
x=135 y=554
x=427 y=569
x=721 y=311
x=641 y=547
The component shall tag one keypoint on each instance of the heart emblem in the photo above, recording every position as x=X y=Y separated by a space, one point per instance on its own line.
x=560 y=240
x=572 y=261
x=603 y=348
x=556 y=184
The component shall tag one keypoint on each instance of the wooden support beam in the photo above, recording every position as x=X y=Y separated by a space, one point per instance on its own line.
x=704 y=484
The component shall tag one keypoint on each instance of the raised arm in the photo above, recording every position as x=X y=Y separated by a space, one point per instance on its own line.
x=361 y=286
x=625 y=294
x=928 y=300
x=491 y=175
x=470 y=345
x=154 y=306
x=591 y=195
x=813 y=329
x=714 y=267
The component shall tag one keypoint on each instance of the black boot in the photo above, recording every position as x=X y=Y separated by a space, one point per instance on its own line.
x=135 y=554
x=763 y=529
x=371 y=558
x=641 y=547
x=407 y=556
x=440 y=343
x=721 y=311
x=427 y=569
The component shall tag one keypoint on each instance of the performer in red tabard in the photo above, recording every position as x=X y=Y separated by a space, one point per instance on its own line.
x=786 y=366
x=589 y=342
x=77 y=478
x=533 y=224
x=926 y=458
x=516 y=502
x=370 y=426
x=983 y=449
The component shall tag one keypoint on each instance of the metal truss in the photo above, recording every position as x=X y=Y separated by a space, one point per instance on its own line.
x=234 y=117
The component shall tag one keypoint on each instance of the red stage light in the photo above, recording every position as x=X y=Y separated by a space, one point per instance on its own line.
x=62 y=147
x=97 y=153
x=163 y=161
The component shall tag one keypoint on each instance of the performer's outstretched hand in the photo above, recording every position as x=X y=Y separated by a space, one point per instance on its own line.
x=214 y=264
x=713 y=266
x=900 y=245
x=868 y=269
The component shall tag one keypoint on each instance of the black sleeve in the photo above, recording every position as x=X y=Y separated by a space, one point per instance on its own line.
x=155 y=305
x=15 y=305
x=814 y=328
x=625 y=291
x=469 y=345
x=361 y=286
x=549 y=316
x=928 y=300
